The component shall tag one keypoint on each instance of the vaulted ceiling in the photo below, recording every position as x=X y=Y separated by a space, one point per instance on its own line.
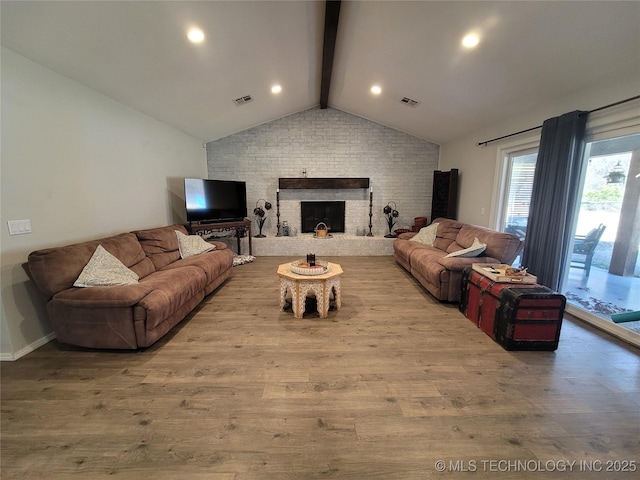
x=137 y=53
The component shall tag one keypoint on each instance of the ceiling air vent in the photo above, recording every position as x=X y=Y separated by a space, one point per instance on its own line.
x=243 y=100
x=411 y=103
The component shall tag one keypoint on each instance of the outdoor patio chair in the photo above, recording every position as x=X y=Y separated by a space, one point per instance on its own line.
x=584 y=248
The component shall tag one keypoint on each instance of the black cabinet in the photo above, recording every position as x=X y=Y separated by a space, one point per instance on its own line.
x=444 y=200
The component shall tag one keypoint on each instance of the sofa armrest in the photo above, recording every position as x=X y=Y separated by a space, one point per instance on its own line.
x=103 y=297
x=457 y=264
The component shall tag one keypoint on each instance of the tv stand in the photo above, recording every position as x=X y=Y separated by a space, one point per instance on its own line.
x=240 y=227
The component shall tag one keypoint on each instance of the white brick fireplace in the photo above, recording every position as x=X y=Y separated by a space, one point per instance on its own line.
x=328 y=143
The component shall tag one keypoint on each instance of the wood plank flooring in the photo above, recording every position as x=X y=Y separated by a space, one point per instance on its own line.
x=384 y=388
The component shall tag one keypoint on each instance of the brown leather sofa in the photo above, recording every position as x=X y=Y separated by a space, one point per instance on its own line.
x=442 y=276
x=127 y=316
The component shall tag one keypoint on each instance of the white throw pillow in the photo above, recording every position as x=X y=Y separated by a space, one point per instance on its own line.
x=190 y=245
x=473 y=251
x=426 y=235
x=104 y=270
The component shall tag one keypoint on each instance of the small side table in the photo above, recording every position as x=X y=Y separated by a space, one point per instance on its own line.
x=301 y=285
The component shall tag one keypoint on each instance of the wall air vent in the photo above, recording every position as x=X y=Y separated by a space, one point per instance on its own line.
x=243 y=100
x=411 y=103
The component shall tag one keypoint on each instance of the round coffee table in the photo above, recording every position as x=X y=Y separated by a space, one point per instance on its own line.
x=299 y=286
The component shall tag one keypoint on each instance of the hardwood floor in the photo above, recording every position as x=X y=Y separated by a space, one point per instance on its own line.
x=384 y=388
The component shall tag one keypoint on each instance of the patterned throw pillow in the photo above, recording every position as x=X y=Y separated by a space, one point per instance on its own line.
x=103 y=270
x=473 y=251
x=190 y=245
x=426 y=235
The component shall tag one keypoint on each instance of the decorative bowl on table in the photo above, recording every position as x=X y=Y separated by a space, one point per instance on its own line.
x=515 y=272
x=301 y=267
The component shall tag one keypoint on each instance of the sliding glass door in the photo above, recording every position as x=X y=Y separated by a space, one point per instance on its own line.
x=603 y=278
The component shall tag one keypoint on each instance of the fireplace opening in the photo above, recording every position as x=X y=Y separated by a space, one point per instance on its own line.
x=330 y=213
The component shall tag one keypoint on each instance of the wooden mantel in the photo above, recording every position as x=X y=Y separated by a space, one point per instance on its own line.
x=325 y=183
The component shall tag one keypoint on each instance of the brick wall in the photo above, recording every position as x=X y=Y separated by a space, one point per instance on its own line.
x=329 y=143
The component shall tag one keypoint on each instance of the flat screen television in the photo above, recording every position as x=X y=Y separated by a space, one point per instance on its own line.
x=215 y=200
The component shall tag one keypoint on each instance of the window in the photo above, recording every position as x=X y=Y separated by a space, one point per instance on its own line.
x=518 y=170
x=521 y=168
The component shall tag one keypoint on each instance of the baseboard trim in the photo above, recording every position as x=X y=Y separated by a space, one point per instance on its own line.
x=10 y=357
x=607 y=326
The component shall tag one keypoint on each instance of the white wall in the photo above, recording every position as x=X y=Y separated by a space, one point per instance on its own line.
x=478 y=164
x=79 y=166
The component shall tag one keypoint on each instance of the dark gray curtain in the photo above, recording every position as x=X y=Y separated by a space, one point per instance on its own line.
x=556 y=185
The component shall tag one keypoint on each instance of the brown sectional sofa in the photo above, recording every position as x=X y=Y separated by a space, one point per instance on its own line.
x=127 y=316
x=442 y=276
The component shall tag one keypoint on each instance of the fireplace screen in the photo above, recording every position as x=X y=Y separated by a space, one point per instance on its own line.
x=331 y=213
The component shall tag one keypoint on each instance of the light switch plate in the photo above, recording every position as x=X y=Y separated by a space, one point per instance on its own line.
x=19 y=227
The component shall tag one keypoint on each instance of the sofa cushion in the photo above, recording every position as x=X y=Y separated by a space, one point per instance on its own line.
x=170 y=290
x=402 y=249
x=447 y=233
x=56 y=269
x=103 y=297
x=458 y=264
x=476 y=248
x=190 y=245
x=103 y=269
x=426 y=261
x=213 y=263
x=161 y=244
x=426 y=235
x=502 y=246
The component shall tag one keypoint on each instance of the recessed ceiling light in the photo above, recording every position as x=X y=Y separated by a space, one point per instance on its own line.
x=471 y=40
x=276 y=89
x=195 y=35
x=376 y=90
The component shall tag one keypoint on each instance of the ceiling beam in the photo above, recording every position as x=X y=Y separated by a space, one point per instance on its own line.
x=332 y=12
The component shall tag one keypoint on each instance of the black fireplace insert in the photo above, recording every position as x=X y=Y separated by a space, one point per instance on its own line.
x=331 y=213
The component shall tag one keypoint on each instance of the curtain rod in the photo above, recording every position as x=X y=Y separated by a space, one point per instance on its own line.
x=480 y=144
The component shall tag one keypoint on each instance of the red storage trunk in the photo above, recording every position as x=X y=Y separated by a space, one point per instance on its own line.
x=469 y=294
x=529 y=318
x=474 y=286
x=518 y=317
x=492 y=303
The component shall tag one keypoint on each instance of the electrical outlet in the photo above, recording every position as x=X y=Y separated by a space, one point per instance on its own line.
x=482 y=211
x=19 y=227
